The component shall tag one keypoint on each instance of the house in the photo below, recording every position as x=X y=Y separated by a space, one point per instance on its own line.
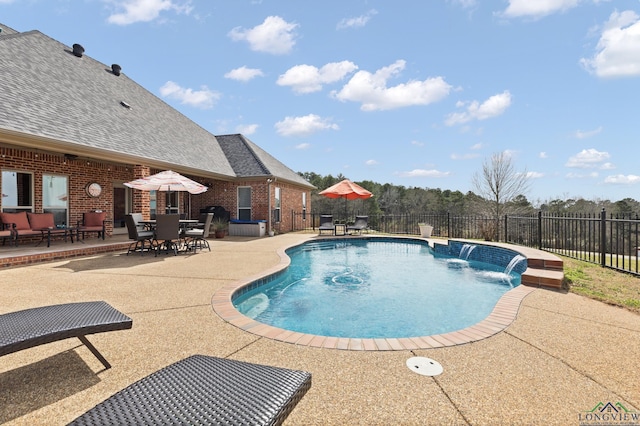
x=73 y=130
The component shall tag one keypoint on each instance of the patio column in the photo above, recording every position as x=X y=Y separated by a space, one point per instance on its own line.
x=141 y=199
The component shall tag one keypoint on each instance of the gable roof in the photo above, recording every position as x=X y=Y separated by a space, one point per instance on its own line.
x=52 y=99
x=249 y=160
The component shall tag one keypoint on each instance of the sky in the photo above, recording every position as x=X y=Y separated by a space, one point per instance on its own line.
x=408 y=92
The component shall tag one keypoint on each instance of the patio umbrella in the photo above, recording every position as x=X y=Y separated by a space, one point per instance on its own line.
x=347 y=190
x=167 y=181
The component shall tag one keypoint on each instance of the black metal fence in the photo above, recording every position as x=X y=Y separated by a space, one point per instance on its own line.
x=610 y=241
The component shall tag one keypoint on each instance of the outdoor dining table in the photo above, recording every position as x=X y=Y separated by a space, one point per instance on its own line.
x=184 y=223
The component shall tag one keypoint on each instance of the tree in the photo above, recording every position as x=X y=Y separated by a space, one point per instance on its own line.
x=499 y=184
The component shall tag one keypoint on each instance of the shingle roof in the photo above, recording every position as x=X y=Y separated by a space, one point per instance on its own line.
x=78 y=105
x=249 y=160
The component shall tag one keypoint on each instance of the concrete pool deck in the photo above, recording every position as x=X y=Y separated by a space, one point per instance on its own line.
x=562 y=356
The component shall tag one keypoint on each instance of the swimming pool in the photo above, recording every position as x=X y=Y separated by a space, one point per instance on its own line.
x=375 y=288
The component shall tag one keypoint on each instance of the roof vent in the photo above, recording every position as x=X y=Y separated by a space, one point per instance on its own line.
x=115 y=69
x=124 y=104
x=78 y=50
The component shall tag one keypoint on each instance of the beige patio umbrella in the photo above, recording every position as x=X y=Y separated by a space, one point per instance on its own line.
x=168 y=181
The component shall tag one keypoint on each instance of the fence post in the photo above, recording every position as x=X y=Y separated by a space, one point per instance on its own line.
x=448 y=225
x=506 y=239
x=539 y=229
x=603 y=237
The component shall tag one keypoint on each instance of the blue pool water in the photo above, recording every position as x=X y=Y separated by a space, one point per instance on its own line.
x=373 y=288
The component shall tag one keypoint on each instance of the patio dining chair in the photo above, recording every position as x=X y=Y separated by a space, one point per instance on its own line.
x=196 y=238
x=168 y=233
x=139 y=236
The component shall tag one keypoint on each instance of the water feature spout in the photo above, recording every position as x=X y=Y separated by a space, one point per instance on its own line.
x=517 y=259
x=466 y=251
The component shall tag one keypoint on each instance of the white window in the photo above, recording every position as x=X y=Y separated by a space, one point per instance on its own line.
x=244 y=203
x=17 y=191
x=304 y=206
x=55 y=197
x=277 y=205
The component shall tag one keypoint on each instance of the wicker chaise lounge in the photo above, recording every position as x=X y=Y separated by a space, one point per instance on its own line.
x=204 y=390
x=38 y=326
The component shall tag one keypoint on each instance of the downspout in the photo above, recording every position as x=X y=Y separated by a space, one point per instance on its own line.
x=269 y=204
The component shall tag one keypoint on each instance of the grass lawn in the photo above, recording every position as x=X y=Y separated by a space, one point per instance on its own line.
x=606 y=285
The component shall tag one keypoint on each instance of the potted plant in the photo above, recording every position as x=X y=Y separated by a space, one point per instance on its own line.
x=425 y=230
x=219 y=227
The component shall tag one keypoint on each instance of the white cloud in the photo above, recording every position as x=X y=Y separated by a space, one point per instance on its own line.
x=607 y=166
x=534 y=175
x=588 y=159
x=623 y=179
x=247 y=129
x=417 y=143
x=587 y=134
x=304 y=145
x=371 y=163
x=423 y=173
x=372 y=92
x=543 y=155
x=244 y=74
x=203 y=99
x=492 y=107
x=357 y=22
x=304 y=126
x=537 y=8
x=618 y=50
x=274 y=35
x=309 y=79
x=591 y=175
x=477 y=146
x=145 y=10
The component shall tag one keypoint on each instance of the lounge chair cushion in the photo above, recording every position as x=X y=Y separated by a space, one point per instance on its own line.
x=19 y=219
x=41 y=220
x=205 y=390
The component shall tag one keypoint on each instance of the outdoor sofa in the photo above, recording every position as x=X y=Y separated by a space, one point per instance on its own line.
x=24 y=224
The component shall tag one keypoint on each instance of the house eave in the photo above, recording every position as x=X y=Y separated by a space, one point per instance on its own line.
x=42 y=143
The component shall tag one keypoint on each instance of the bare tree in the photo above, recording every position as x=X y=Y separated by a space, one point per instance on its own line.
x=499 y=184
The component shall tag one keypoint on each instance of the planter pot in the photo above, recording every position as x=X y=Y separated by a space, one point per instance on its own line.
x=219 y=234
x=426 y=230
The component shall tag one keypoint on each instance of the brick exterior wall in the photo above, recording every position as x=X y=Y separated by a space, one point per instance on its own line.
x=82 y=171
x=79 y=172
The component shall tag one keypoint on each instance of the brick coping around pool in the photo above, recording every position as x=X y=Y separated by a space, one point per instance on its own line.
x=503 y=314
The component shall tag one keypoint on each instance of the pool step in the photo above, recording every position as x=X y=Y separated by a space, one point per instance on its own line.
x=543 y=277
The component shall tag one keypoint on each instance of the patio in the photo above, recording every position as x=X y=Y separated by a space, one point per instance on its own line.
x=563 y=355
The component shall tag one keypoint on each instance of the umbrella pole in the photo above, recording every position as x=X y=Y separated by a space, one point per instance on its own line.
x=168 y=208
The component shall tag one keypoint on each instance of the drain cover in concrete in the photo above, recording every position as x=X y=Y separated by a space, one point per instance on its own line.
x=424 y=366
